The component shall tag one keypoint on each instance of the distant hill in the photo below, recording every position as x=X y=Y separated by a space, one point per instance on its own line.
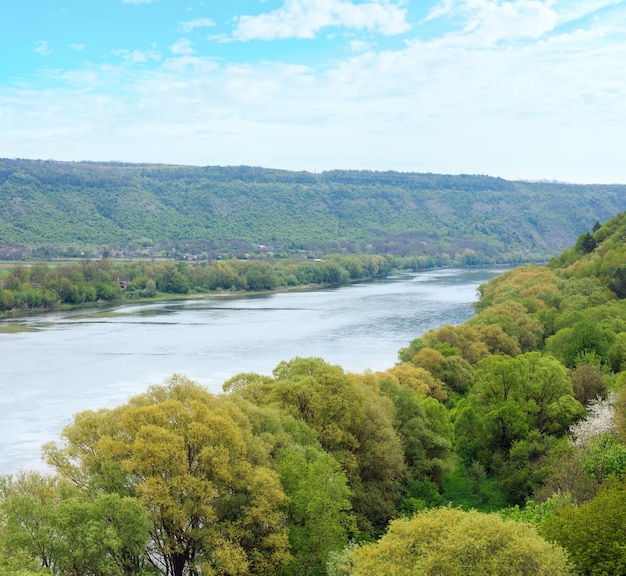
x=89 y=204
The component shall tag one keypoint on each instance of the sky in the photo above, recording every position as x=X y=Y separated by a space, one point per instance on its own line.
x=521 y=89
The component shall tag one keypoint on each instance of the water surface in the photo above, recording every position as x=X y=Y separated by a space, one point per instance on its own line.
x=81 y=360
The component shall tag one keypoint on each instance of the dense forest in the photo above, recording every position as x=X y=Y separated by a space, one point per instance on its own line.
x=50 y=209
x=494 y=447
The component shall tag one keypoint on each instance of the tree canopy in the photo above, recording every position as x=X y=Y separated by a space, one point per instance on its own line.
x=449 y=542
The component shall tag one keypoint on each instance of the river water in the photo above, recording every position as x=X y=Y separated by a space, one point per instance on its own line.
x=80 y=360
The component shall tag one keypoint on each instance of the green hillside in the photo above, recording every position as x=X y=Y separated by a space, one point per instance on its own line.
x=46 y=203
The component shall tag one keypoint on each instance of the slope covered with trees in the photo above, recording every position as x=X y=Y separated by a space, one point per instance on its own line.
x=519 y=414
x=57 y=207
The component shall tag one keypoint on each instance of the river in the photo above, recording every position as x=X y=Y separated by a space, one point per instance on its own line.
x=90 y=359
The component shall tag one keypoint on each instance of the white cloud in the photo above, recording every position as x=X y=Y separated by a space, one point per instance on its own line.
x=220 y=38
x=42 y=48
x=137 y=56
x=489 y=21
x=78 y=47
x=182 y=47
x=137 y=1
x=191 y=25
x=305 y=18
x=506 y=20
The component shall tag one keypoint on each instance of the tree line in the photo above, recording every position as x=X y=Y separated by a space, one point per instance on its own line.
x=494 y=447
x=42 y=285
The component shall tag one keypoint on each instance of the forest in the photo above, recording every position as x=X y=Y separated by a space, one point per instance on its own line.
x=89 y=209
x=495 y=447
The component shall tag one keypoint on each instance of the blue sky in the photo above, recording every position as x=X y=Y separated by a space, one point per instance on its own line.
x=523 y=89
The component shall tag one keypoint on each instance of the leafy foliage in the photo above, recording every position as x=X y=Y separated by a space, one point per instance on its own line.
x=447 y=541
x=44 y=286
x=53 y=205
x=593 y=532
x=71 y=531
x=350 y=420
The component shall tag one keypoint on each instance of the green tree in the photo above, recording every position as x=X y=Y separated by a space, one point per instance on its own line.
x=593 y=533
x=514 y=409
x=73 y=532
x=320 y=517
x=351 y=420
x=588 y=244
x=617 y=282
x=425 y=430
x=571 y=344
x=320 y=512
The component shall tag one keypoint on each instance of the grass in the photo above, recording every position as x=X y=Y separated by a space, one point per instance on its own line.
x=16 y=329
x=458 y=490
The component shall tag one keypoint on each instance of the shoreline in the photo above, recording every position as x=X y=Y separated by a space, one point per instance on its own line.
x=13 y=328
x=164 y=296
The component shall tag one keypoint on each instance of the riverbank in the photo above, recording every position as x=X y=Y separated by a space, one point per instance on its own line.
x=160 y=297
x=38 y=289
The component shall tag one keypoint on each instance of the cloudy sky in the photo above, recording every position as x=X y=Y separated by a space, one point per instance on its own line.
x=523 y=89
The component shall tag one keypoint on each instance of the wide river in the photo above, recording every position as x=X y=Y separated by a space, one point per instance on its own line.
x=90 y=359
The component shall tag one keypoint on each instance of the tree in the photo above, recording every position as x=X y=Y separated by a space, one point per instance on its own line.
x=572 y=344
x=617 y=282
x=27 y=507
x=186 y=455
x=449 y=542
x=418 y=379
x=351 y=420
x=513 y=412
x=320 y=513
x=587 y=383
x=515 y=321
x=70 y=531
x=593 y=533
x=588 y=244
x=424 y=428
x=320 y=517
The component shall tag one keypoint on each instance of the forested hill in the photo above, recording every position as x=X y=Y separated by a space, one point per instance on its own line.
x=47 y=203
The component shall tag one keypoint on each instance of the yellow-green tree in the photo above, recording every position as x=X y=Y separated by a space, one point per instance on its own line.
x=449 y=542
x=188 y=457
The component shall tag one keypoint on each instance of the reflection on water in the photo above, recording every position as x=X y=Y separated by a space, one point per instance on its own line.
x=82 y=360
